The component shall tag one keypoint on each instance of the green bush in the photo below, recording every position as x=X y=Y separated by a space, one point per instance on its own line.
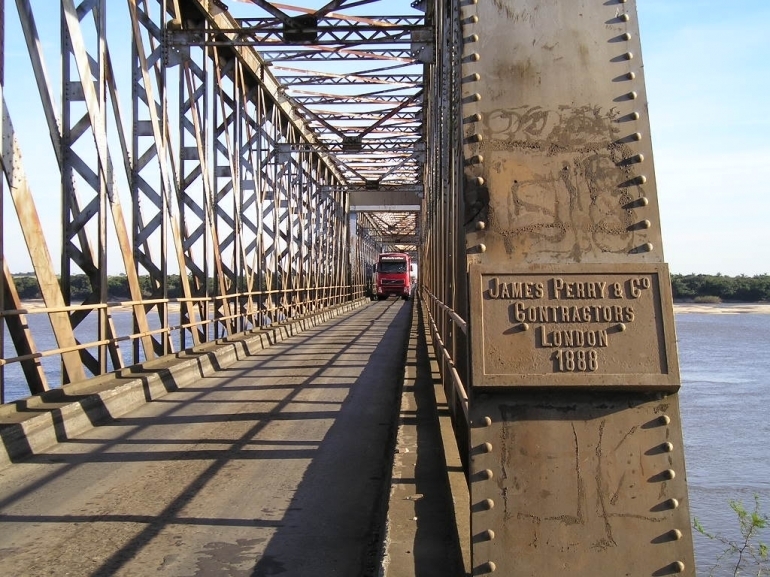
x=747 y=553
x=741 y=288
x=708 y=299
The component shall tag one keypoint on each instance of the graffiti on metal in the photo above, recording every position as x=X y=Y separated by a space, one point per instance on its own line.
x=581 y=325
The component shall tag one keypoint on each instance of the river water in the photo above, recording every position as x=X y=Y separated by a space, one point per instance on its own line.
x=725 y=396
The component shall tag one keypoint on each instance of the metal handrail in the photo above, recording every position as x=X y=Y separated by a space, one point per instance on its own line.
x=316 y=303
x=457 y=383
x=458 y=320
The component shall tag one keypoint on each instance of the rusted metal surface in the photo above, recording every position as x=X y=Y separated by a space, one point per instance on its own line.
x=569 y=294
x=241 y=190
x=443 y=274
x=578 y=483
x=519 y=127
x=563 y=134
x=26 y=211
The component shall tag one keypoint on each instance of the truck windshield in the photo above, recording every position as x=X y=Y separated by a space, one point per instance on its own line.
x=392 y=266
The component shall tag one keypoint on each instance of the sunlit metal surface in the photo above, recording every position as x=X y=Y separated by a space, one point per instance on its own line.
x=207 y=152
x=364 y=102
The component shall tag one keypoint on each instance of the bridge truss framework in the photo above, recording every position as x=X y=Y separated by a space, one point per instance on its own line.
x=255 y=157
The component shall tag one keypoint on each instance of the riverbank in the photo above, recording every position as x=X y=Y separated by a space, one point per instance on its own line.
x=722 y=308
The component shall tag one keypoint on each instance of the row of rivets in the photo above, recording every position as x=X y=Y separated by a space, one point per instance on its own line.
x=474 y=163
x=475 y=160
x=673 y=534
x=636 y=136
x=486 y=504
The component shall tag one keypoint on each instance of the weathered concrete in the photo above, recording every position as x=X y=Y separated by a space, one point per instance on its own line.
x=277 y=463
x=428 y=532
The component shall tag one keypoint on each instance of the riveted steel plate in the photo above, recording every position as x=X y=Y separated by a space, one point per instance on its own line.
x=578 y=483
x=573 y=325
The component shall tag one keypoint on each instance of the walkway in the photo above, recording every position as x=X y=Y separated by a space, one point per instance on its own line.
x=276 y=464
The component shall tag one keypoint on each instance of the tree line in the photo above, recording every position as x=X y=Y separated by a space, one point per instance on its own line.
x=703 y=287
x=80 y=287
x=715 y=288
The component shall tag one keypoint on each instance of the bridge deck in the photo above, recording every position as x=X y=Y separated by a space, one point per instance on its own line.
x=278 y=463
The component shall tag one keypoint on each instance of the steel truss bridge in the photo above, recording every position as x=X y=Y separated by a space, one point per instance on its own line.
x=239 y=164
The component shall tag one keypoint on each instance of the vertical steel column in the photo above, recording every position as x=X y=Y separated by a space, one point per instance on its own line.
x=264 y=205
x=317 y=199
x=308 y=192
x=192 y=202
x=459 y=343
x=78 y=175
x=226 y=185
x=294 y=225
x=442 y=251
x=250 y=212
x=283 y=226
x=342 y=226
x=2 y=194
x=577 y=464
x=272 y=208
x=150 y=193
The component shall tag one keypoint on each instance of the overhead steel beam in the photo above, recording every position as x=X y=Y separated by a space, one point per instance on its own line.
x=333 y=32
x=386 y=199
x=407 y=80
x=337 y=4
x=257 y=71
x=330 y=53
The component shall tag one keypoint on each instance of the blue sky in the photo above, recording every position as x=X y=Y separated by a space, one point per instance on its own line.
x=708 y=84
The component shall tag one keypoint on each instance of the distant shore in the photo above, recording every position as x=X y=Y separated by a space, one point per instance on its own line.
x=679 y=307
x=722 y=308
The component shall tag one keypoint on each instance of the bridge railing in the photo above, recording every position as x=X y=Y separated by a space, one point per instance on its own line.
x=36 y=365
x=448 y=366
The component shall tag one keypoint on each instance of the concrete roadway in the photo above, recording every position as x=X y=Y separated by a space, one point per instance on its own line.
x=278 y=464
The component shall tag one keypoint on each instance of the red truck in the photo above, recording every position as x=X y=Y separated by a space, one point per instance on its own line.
x=392 y=275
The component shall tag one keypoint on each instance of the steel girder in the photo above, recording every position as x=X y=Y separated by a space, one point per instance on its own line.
x=443 y=216
x=252 y=234
x=331 y=53
x=378 y=98
x=321 y=32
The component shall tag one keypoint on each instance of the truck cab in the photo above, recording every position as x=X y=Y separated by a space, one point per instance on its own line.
x=393 y=275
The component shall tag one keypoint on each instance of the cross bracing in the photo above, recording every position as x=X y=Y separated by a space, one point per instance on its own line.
x=206 y=152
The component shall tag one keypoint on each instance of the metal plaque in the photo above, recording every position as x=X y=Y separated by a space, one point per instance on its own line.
x=583 y=325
